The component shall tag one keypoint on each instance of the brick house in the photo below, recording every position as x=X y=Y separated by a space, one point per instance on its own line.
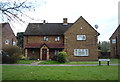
x=115 y=43
x=8 y=37
x=44 y=40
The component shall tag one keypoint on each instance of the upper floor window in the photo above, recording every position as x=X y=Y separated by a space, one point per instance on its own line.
x=14 y=43
x=6 y=41
x=81 y=37
x=113 y=41
x=80 y=52
x=57 y=38
x=45 y=38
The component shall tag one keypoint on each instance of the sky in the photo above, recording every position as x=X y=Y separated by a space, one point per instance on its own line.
x=104 y=13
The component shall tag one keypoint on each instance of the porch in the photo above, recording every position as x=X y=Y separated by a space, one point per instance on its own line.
x=43 y=52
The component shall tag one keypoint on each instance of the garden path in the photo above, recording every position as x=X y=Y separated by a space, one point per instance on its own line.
x=36 y=63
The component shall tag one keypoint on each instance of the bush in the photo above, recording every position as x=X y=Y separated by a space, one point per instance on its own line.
x=23 y=57
x=62 y=57
x=11 y=54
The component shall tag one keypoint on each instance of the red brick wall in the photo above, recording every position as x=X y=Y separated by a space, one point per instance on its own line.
x=39 y=39
x=7 y=34
x=115 y=48
x=33 y=54
x=90 y=43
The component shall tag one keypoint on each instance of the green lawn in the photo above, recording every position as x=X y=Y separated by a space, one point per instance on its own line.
x=60 y=73
x=25 y=61
x=71 y=62
x=79 y=62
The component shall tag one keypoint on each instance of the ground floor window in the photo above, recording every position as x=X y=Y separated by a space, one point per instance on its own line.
x=56 y=52
x=81 y=52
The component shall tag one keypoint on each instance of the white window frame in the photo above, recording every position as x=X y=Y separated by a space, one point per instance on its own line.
x=81 y=52
x=6 y=41
x=81 y=37
x=45 y=38
x=57 y=38
x=113 y=41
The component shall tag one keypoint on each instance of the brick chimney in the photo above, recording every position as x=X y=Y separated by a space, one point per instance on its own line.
x=65 y=21
x=44 y=21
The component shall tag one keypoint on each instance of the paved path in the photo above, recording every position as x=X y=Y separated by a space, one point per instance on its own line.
x=56 y=64
x=35 y=63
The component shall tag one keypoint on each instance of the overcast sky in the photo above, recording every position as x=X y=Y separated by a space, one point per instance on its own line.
x=104 y=13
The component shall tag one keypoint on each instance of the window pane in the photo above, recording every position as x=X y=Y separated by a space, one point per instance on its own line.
x=6 y=41
x=45 y=38
x=86 y=52
x=75 y=52
x=56 y=52
x=113 y=41
x=14 y=43
x=58 y=38
x=55 y=39
x=81 y=37
x=81 y=52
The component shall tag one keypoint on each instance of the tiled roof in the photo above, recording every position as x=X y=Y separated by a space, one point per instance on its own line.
x=46 y=29
x=49 y=45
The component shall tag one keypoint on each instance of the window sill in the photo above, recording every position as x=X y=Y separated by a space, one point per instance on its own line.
x=81 y=56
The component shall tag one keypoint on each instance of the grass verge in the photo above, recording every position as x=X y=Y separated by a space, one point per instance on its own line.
x=60 y=72
x=25 y=61
x=79 y=62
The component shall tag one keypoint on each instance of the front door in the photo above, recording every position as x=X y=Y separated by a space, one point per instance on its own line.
x=44 y=54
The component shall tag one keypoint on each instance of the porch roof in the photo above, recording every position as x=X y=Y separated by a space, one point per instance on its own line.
x=49 y=45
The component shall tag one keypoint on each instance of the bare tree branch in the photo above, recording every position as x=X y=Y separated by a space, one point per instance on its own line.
x=21 y=4
x=14 y=11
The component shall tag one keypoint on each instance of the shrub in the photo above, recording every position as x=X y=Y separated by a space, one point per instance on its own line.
x=11 y=54
x=62 y=57
x=23 y=57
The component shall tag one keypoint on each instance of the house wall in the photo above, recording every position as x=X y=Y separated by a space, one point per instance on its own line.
x=90 y=43
x=0 y=38
x=33 y=54
x=115 y=48
x=118 y=44
x=7 y=34
x=39 y=39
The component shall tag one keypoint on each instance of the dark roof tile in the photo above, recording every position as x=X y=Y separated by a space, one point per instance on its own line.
x=46 y=29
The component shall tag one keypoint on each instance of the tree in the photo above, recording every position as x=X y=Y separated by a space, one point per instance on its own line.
x=20 y=39
x=10 y=54
x=104 y=46
x=13 y=10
